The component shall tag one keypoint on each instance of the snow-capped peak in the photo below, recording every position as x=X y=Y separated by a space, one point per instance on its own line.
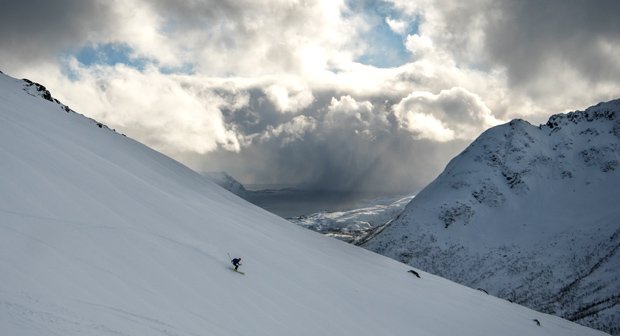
x=529 y=213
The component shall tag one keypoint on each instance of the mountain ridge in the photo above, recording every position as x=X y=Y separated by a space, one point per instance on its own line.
x=529 y=213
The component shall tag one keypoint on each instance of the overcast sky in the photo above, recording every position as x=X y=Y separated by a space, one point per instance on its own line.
x=373 y=95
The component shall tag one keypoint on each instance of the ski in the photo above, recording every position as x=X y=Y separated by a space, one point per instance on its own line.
x=237 y=271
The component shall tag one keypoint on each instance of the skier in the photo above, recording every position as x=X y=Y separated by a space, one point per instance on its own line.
x=236 y=262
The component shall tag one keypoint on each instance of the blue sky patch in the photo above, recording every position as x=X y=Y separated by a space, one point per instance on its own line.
x=110 y=54
x=386 y=48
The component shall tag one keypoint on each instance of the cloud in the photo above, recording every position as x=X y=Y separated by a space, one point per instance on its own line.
x=346 y=112
x=291 y=131
x=398 y=26
x=556 y=55
x=452 y=114
x=37 y=30
x=290 y=91
x=253 y=38
x=171 y=113
x=286 y=101
x=419 y=46
x=530 y=37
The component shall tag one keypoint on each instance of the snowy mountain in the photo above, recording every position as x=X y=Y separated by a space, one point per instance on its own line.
x=349 y=225
x=529 y=214
x=227 y=182
x=100 y=235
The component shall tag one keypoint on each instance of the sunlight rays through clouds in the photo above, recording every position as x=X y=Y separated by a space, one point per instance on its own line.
x=279 y=91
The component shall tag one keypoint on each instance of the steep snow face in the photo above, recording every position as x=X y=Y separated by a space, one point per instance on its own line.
x=528 y=213
x=99 y=235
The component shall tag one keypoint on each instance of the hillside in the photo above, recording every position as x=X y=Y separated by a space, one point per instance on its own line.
x=227 y=182
x=100 y=235
x=528 y=213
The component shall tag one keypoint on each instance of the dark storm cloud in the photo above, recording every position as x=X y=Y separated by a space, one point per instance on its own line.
x=527 y=36
x=37 y=30
x=336 y=143
x=341 y=161
x=189 y=13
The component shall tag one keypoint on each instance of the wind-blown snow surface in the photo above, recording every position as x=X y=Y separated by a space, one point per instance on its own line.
x=530 y=214
x=100 y=235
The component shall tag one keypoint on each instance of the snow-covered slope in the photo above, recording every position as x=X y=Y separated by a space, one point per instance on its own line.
x=99 y=235
x=227 y=182
x=530 y=214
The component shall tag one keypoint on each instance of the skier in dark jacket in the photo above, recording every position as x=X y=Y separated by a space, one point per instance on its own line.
x=236 y=262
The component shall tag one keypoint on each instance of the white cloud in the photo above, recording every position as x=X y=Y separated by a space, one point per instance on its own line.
x=258 y=38
x=419 y=45
x=348 y=110
x=170 y=113
x=285 y=101
x=426 y=126
x=290 y=131
x=397 y=26
x=452 y=114
x=139 y=26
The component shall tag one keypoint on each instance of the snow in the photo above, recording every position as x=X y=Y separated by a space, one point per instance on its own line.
x=349 y=225
x=527 y=213
x=100 y=235
x=227 y=182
